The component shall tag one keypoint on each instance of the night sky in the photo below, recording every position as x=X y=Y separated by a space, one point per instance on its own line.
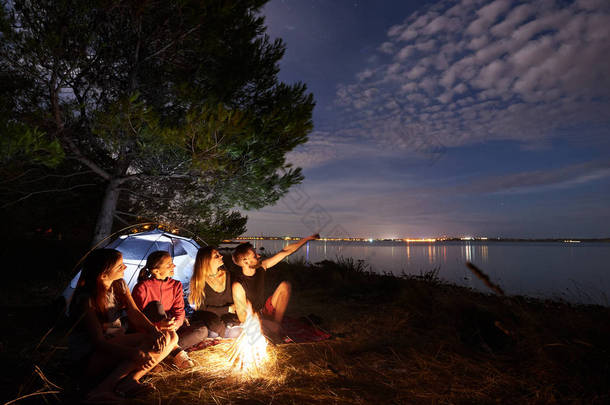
x=469 y=118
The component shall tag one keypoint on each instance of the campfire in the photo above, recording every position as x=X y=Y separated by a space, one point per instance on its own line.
x=249 y=351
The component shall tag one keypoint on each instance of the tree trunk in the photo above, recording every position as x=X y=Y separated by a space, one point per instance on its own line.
x=103 y=226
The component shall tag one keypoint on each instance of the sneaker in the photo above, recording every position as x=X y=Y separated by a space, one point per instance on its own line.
x=182 y=360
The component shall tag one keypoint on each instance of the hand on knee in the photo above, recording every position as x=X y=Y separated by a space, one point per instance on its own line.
x=143 y=358
x=172 y=340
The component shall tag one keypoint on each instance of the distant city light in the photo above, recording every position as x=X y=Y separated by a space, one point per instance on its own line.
x=443 y=238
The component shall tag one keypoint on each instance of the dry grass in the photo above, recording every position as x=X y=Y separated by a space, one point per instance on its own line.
x=410 y=341
x=424 y=345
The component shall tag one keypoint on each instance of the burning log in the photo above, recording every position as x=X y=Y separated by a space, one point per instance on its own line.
x=249 y=351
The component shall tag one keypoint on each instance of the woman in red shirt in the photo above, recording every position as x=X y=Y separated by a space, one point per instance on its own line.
x=161 y=298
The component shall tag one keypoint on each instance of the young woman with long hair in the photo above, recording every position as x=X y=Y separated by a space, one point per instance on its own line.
x=210 y=291
x=98 y=340
x=161 y=299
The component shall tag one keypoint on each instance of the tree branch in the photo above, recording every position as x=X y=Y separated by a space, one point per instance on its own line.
x=128 y=214
x=166 y=47
x=17 y=177
x=136 y=64
x=61 y=133
x=145 y=176
x=57 y=190
x=84 y=160
x=61 y=176
x=120 y=219
x=144 y=196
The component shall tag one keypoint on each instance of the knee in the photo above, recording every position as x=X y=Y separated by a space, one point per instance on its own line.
x=192 y=336
x=171 y=338
x=285 y=287
x=154 y=311
x=216 y=325
x=202 y=331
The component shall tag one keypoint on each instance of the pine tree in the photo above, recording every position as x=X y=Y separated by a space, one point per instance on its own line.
x=174 y=108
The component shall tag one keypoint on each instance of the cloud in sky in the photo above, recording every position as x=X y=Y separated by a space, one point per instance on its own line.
x=319 y=149
x=324 y=147
x=506 y=101
x=457 y=205
x=541 y=180
x=458 y=74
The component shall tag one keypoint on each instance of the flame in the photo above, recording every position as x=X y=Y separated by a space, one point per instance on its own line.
x=249 y=351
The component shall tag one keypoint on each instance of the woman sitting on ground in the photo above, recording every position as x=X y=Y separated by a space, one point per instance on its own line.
x=161 y=299
x=98 y=340
x=210 y=292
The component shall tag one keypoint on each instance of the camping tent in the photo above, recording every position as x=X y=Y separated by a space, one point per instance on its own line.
x=137 y=246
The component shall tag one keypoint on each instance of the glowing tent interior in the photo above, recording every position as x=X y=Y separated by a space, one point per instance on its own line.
x=137 y=246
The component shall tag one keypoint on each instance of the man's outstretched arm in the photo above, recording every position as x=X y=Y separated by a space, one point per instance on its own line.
x=287 y=251
x=240 y=301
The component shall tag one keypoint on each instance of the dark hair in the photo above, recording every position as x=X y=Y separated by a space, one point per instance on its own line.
x=240 y=251
x=95 y=265
x=152 y=262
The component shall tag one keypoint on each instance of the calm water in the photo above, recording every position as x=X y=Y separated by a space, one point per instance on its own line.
x=577 y=272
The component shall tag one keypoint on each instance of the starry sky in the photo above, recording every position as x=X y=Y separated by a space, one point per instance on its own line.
x=458 y=118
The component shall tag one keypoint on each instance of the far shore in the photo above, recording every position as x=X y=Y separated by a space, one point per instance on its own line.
x=422 y=240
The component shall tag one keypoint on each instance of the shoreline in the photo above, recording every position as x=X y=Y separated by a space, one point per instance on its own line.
x=424 y=241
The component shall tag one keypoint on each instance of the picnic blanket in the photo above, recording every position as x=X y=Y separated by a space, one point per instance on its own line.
x=302 y=330
x=205 y=343
x=295 y=330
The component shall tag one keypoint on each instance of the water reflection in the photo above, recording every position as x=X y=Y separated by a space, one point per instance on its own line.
x=576 y=273
x=468 y=252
